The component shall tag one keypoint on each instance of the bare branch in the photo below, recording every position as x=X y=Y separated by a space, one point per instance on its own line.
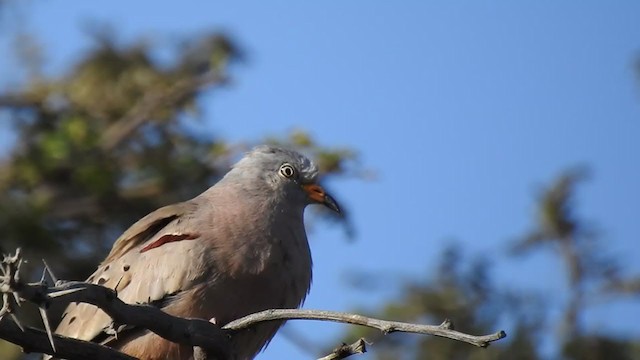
x=208 y=340
x=192 y=332
x=344 y=351
x=443 y=330
x=34 y=340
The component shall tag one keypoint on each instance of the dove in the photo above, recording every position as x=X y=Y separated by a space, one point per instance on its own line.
x=238 y=248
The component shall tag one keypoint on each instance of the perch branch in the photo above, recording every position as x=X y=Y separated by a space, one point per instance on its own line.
x=442 y=330
x=35 y=340
x=192 y=332
x=209 y=340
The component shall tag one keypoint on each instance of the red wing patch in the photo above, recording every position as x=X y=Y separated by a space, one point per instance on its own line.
x=167 y=239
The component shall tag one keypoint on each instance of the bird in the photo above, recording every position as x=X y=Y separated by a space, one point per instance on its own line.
x=238 y=248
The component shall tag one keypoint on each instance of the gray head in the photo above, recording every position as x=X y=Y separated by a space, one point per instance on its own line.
x=282 y=172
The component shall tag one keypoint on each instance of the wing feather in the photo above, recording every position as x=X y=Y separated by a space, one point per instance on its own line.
x=139 y=277
x=145 y=228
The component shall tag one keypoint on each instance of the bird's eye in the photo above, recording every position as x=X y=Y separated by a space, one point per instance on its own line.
x=287 y=170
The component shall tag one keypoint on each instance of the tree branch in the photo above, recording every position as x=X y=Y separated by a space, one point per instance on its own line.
x=208 y=340
x=344 y=351
x=142 y=111
x=442 y=330
x=192 y=332
x=35 y=340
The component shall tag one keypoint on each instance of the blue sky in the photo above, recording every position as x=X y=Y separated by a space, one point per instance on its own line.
x=464 y=109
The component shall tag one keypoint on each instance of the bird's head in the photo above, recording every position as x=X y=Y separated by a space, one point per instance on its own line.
x=283 y=173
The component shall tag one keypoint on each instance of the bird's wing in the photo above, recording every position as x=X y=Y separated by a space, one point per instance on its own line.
x=145 y=228
x=140 y=269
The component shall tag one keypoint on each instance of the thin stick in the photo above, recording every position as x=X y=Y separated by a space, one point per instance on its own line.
x=443 y=330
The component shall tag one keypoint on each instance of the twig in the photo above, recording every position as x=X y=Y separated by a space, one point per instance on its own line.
x=344 y=351
x=34 y=340
x=442 y=330
x=9 y=280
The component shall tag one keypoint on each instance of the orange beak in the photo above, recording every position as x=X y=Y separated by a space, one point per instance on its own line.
x=318 y=195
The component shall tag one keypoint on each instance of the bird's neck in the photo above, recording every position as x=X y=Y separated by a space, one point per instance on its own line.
x=256 y=197
x=264 y=208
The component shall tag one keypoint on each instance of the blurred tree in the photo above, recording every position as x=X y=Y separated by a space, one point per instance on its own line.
x=557 y=225
x=113 y=139
x=463 y=291
x=590 y=271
